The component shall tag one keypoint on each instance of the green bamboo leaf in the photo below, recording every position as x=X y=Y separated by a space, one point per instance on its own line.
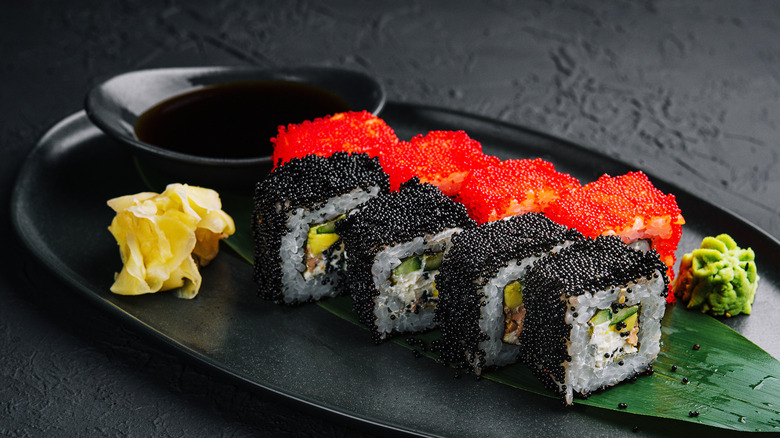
x=731 y=382
x=239 y=207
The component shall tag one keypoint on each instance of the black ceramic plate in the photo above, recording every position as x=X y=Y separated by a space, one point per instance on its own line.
x=306 y=354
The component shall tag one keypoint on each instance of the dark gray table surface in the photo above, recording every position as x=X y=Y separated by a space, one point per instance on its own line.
x=688 y=91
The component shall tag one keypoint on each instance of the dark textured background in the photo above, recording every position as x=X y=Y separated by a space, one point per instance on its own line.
x=688 y=91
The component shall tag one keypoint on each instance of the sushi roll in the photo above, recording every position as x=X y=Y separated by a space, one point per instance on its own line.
x=395 y=244
x=298 y=256
x=593 y=316
x=513 y=187
x=441 y=158
x=628 y=206
x=352 y=131
x=480 y=311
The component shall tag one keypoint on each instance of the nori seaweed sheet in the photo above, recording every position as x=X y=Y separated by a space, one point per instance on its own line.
x=474 y=259
x=583 y=267
x=415 y=210
x=306 y=183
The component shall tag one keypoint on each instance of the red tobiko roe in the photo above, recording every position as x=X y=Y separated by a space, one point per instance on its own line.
x=353 y=131
x=513 y=187
x=441 y=158
x=627 y=205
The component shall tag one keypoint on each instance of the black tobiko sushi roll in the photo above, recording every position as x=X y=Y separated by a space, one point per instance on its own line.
x=481 y=311
x=593 y=315
x=298 y=255
x=395 y=244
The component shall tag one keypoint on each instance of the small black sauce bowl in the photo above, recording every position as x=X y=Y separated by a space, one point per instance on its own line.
x=115 y=105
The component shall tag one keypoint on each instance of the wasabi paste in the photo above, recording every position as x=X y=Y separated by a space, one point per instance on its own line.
x=719 y=278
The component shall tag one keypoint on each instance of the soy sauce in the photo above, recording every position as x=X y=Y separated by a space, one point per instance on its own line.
x=233 y=120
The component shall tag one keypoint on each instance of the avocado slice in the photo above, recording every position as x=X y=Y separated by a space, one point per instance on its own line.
x=513 y=294
x=631 y=322
x=433 y=261
x=408 y=266
x=601 y=317
x=322 y=236
x=320 y=242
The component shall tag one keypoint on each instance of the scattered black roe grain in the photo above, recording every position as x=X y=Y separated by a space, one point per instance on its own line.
x=674 y=368
x=635 y=429
x=693 y=413
x=622 y=405
x=416 y=354
x=696 y=347
x=685 y=380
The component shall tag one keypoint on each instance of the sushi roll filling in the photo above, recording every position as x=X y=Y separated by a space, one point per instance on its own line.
x=404 y=275
x=614 y=333
x=319 y=240
x=413 y=282
x=514 y=312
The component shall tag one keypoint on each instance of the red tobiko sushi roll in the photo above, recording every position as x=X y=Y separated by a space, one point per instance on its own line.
x=513 y=187
x=354 y=131
x=628 y=206
x=441 y=158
